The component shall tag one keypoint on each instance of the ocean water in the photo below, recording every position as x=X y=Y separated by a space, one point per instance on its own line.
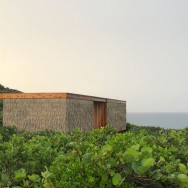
x=164 y=120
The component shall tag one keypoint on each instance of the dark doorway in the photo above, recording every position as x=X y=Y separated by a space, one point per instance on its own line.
x=99 y=114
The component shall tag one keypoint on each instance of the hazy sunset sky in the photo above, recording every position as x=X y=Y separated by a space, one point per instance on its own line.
x=133 y=50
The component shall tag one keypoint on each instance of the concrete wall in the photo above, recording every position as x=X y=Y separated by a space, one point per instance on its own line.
x=116 y=115
x=80 y=114
x=35 y=114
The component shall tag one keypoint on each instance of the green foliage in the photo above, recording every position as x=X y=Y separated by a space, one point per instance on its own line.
x=100 y=158
x=1 y=118
x=1 y=105
x=4 y=89
x=1 y=112
x=7 y=132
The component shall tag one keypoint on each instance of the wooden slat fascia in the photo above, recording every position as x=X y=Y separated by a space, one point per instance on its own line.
x=32 y=95
x=56 y=95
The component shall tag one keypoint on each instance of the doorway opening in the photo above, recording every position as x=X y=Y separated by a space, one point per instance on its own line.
x=100 y=119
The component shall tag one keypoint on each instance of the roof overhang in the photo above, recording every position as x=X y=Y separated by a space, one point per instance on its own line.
x=56 y=95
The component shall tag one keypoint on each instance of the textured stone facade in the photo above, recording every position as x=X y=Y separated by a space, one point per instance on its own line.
x=116 y=115
x=35 y=114
x=79 y=114
x=61 y=114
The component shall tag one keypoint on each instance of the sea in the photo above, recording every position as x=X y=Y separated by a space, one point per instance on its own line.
x=163 y=120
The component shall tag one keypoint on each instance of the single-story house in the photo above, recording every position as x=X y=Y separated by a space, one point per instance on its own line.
x=61 y=111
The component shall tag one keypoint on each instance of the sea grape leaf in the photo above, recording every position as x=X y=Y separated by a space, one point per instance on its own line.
x=158 y=175
x=107 y=147
x=169 y=168
x=131 y=155
x=142 y=170
x=47 y=185
x=116 y=179
x=34 y=178
x=111 y=161
x=135 y=165
x=26 y=183
x=139 y=169
x=111 y=172
x=129 y=158
x=136 y=146
x=46 y=174
x=183 y=178
x=182 y=168
x=20 y=175
x=147 y=149
x=149 y=162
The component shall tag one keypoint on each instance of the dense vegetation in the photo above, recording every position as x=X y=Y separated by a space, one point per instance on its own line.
x=4 y=89
x=140 y=157
x=1 y=112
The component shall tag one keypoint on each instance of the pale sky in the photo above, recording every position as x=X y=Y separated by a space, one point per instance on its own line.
x=133 y=50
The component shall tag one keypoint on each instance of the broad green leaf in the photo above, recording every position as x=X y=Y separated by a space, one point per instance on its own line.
x=111 y=161
x=183 y=178
x=116 y=179
x=25 y=183
x=185 y=185
x=107 y=147
x=111 y=172
x=48 y=185
x=20 y=175
x=139 y=169
x=147 y=149
x=135 y=165
x=131 y=155
x=46 y=174
x=182 y=168
x=34 y=178
x=149 y=162
x=158 y=176
x=136 y=147
x=129 y=158
x=142 y=170
x=169 y=168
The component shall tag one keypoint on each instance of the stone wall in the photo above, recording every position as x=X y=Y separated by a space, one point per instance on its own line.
x=80 y=114
x=35 y=114
x=116 y=115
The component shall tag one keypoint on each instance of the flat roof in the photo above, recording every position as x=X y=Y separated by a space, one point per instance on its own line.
x=56 y=95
